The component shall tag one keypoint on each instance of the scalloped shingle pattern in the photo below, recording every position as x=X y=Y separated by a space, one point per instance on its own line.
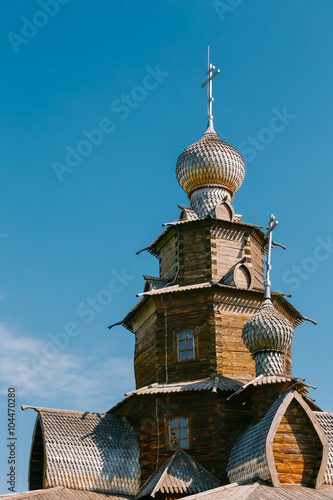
x=204 y=201
x=210 y=162
x=268 y=330
x=180 y=474
x=248 y=458
x=269 y=362
x=326 y=421
x=91 y=451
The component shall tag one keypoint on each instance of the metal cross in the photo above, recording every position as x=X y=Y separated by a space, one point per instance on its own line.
x=272 y=223
x=210 y=98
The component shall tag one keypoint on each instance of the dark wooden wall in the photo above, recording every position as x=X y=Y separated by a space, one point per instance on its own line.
x=168 y=257
x=145 y=359
x=262 y=397
x=37 y=459
x=214 y=425
x=194 y=255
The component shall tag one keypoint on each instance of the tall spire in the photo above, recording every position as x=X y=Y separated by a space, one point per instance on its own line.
x=211 y=74
x=272 y=223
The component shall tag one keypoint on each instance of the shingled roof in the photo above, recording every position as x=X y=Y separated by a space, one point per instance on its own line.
x=252 y=456
x=61 y=493
x=84 y=451
x=326 y=421
x=212 y=384
x=180 y=474
x=248 y=458
x=262 y=491
x=279 y=301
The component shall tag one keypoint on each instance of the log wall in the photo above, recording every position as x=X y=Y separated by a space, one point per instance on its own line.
x=212 y=432
x=263 y=396
x=198 y=253
x=168 y=257
x=296 y=447
x=185 y=311
x=194 y=255
x=145 y=360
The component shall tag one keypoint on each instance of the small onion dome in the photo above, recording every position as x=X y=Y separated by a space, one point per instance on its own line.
x=211 y=163
x=268 y=330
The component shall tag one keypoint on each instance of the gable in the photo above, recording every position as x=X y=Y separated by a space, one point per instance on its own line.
x=285 y=439
x=84 y=451
x=297 y=448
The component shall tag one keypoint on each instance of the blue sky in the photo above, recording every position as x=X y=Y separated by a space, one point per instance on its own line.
x=69 y=226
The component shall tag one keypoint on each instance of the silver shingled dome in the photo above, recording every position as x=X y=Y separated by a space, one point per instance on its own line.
x=210 y=163
x=268 y=330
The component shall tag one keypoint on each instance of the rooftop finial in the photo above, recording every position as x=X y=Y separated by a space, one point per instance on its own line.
x=210 y=97
x=272 y=223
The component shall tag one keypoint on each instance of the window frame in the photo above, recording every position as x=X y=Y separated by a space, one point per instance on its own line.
x=176 y=345
x=168 y=421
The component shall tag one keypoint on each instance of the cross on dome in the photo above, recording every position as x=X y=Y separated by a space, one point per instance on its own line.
x=210 y=171
x=211 y=74
x=272 y=223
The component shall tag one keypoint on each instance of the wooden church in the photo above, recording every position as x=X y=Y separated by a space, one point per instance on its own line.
x=217 y=413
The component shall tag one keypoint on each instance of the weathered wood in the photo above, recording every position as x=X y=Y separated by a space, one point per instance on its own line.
x=197 y=253
x=213 y=431
x=296 y=447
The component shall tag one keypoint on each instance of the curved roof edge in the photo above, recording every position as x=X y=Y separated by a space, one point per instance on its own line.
x=252 y=454
x=84 y=451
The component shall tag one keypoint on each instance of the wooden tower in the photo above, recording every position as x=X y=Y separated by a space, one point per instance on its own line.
x=189 y=351
x=215 y=399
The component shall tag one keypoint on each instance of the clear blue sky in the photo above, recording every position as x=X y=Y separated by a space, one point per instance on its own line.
x=62 y=242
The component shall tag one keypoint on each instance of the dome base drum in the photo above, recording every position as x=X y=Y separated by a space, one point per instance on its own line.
x=269 y=363
x=204 y=201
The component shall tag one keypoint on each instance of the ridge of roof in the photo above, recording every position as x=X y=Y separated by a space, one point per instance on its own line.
x=40 y=409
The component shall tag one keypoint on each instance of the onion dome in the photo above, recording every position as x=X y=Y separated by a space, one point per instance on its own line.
x=268 y=335
x=210 y=171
